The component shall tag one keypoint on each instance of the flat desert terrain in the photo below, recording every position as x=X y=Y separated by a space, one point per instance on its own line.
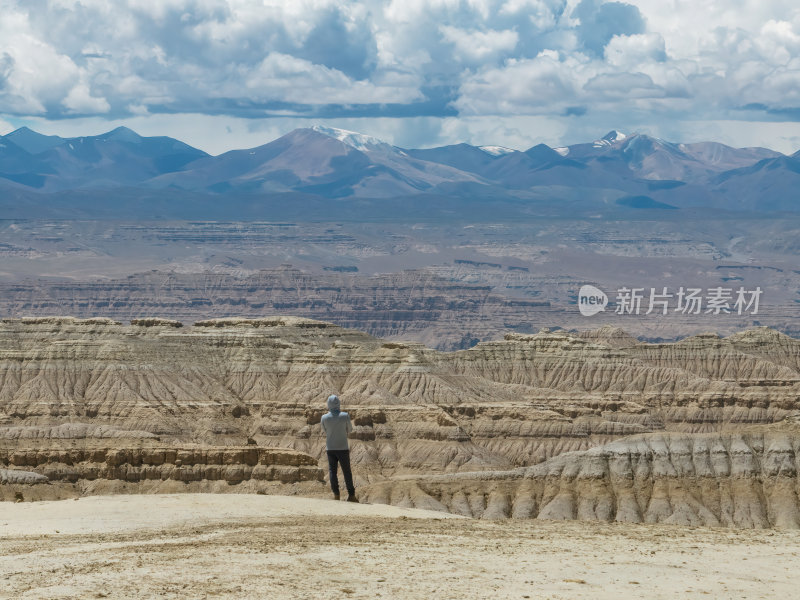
x=255 y=546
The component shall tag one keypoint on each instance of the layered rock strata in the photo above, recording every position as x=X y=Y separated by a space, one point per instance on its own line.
x=497 y=406
x=445 y=306
x=229 y=464
x=411 y=304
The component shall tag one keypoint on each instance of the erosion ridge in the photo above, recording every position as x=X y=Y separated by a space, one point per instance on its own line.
x=736 y=480
x=497 y=407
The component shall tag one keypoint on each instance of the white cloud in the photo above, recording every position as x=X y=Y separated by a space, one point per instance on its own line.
x=472 y=45
x=36 y=75
x=539 y=12
x=531 y=86
x=683 y=60
x=280 y=77
x=631 y=51
x=79 y=100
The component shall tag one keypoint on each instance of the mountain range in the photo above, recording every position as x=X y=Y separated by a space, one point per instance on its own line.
x=614 y=173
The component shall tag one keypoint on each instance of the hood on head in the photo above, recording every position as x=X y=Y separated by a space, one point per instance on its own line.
x=333 y=403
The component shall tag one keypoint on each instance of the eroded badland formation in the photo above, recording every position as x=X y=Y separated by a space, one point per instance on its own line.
x=554 y=425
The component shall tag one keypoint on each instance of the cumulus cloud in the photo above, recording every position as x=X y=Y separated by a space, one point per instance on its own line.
x=631 y=51
x=80 y=100
x=601 y=21
x=528 y=86
x=60 y=57
x=576 y=59
x=288 y=79
x=477 y=46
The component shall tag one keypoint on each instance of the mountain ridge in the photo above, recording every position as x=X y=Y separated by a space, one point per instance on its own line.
x=338 y=164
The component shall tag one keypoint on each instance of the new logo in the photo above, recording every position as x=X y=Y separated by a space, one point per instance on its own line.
x=591 y=300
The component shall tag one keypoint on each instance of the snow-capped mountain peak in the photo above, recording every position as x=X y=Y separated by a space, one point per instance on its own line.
x=609 y=139
x=614 y=136
x=496 y=150
x=359 y=141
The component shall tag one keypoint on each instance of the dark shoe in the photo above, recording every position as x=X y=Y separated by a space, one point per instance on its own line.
x=352 y=498
x=336 y=496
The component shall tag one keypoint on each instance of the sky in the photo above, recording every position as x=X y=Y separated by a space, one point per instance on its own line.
x=239 y=73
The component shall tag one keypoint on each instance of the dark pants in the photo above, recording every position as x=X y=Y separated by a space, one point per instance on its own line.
x=340 y=457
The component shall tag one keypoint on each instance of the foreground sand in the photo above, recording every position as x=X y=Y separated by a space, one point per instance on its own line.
x=238 y=546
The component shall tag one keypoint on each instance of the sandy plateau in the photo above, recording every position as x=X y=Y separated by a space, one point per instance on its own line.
x=251 y=546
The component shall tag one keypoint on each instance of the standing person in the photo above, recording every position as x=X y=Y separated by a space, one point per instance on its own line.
x=336 y=425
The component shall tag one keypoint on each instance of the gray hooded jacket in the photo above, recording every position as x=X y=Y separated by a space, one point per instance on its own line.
x=336 y=425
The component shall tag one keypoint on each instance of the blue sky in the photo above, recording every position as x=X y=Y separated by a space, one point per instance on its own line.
x=239 y=73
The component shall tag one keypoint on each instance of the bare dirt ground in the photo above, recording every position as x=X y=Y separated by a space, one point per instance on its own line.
x=248 y=546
